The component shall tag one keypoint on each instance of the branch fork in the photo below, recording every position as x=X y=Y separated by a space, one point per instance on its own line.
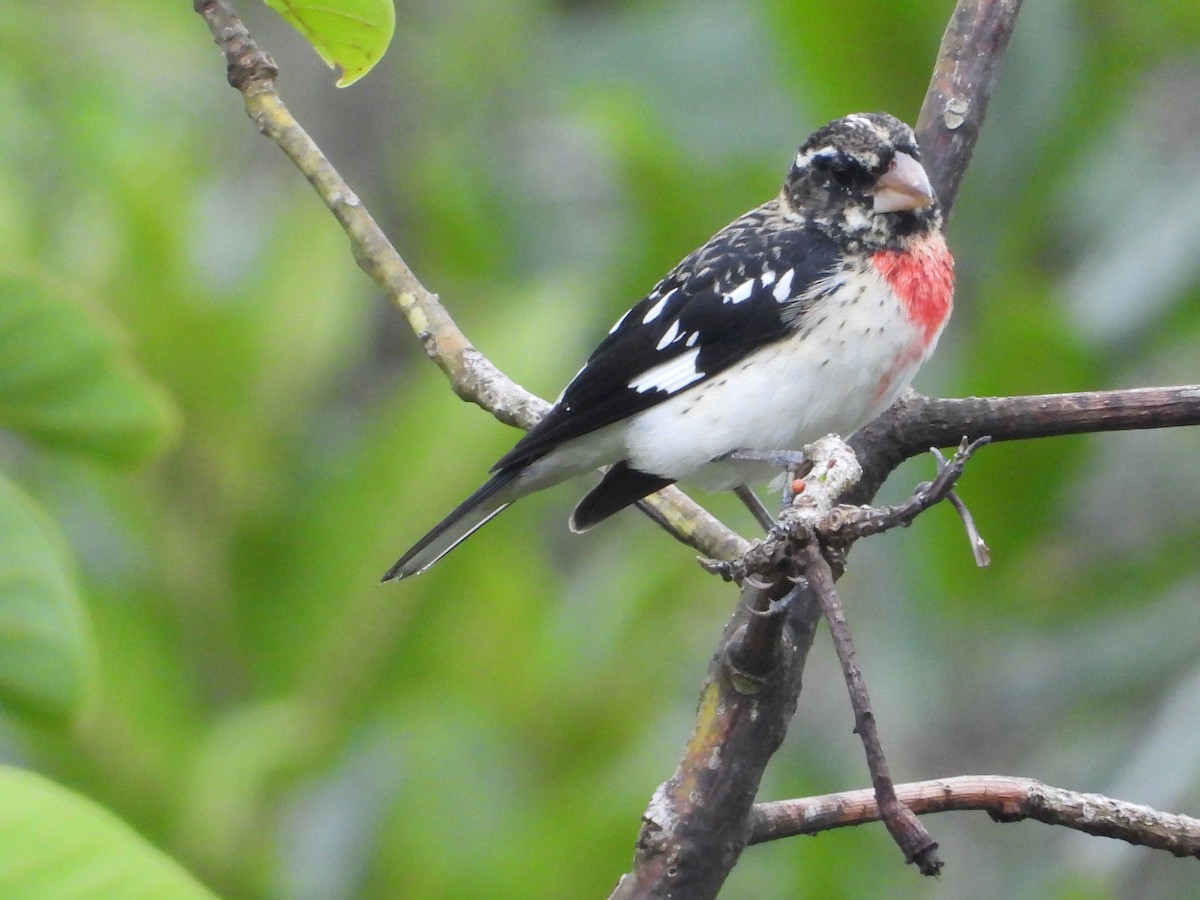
x=799 y=555
x=813 y=514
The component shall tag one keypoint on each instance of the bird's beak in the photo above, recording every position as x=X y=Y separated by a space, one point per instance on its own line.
x=904 y=186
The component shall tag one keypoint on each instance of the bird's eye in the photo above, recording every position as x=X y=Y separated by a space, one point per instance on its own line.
x=842 y=171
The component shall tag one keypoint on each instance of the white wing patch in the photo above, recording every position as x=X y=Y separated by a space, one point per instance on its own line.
x=671 y=335
x=671 y=376
x=741 y=293
x=783 y=290
x=620 y=322
x=656 y=310
x=768 y=277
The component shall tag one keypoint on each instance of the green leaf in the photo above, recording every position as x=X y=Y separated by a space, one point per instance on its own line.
x=55 y=843
x=65 y=381
x=44 y=640
x=352 y=34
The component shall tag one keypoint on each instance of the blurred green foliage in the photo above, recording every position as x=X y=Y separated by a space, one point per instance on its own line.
x=235 y=436
x=57 y=843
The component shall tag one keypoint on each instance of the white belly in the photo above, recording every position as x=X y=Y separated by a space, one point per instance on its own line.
x=835 y=376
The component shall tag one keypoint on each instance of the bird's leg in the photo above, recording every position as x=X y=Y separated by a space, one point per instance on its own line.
x=792 y=462
x=780 y=459
x=757 y=508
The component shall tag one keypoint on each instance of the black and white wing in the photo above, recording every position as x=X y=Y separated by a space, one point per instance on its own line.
x=746 y=288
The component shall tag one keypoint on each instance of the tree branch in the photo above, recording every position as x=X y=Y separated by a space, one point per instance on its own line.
x=696 y=825
x=906 y=830
x=694 y=829
x=847 y=524
x=916 y=422
x=968 y=65
x=1006 y=798
x=252 y=72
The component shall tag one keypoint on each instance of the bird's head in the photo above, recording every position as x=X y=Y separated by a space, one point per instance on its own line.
x=861 y=178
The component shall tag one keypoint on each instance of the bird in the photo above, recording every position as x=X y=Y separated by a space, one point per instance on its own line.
x=807 y=315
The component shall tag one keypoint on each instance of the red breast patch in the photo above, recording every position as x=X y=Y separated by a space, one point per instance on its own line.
x=923 y=279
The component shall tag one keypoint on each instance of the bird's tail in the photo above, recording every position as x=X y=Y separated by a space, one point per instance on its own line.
x=471 y=514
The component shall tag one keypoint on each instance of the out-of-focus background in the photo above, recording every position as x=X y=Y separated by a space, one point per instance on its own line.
x=262 y=709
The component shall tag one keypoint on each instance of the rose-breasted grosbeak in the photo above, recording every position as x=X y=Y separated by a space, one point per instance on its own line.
x=807 y=315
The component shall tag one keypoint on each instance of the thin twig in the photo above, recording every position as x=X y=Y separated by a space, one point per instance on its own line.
x=757 y=508
x=979 y=549
x=847 y=524
x=472 y=376
x=1005 y=798
x=907 y=831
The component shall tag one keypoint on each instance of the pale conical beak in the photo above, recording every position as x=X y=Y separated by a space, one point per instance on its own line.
x=902 y=187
